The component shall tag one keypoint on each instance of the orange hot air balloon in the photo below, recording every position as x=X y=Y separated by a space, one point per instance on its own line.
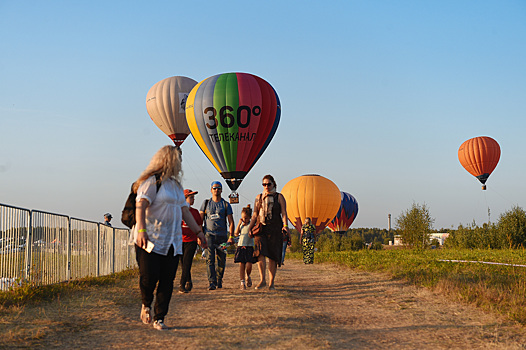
x=479 y=156
x=311 y=196
x=166 y=103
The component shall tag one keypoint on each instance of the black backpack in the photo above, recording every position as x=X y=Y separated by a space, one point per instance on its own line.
x=128 y=213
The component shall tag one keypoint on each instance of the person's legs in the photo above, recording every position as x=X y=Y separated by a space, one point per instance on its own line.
x=242 y=271
x=168 y=269
x=283 y=252
x=304 y=250
x=272 y=267
x=310 y=253
x=262 y=266
x=221 y=264
x=248 y=269
x=188 y=256
x=148 y=274
x=211 y=259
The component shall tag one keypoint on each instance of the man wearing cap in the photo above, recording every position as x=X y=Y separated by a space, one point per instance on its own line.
x=190 y=241
x=107 y=219
x=215 y=212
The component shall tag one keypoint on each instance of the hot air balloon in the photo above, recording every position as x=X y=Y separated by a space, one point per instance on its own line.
x=311 y=196
x=233 y=117
x=479 y=156
x=166 y=102
x=346 y=214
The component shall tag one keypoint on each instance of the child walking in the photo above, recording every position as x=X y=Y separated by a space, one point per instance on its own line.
x=245 y=248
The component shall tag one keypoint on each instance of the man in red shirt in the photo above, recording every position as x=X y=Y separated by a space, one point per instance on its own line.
x=190 y=241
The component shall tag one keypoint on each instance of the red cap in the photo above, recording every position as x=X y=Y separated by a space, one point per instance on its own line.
x=188 y=192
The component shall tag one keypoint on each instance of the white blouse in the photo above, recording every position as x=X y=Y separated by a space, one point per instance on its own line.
x=163 y=215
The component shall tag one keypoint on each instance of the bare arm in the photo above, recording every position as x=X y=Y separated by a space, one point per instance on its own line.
x=230 y=219
x=140 y=218
x=284 y=216
x=237 y=232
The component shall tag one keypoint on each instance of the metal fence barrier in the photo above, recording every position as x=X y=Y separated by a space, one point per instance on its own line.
x=44 y=248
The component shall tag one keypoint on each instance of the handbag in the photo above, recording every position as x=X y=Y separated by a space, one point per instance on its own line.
x=256 y=229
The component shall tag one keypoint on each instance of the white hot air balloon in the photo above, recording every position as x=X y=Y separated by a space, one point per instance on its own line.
x=166 y=103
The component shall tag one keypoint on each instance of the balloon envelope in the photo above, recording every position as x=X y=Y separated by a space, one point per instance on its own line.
x=233 y=117
x=479 y=156
x=311 y=196
x=346 y=214
x=166 y=102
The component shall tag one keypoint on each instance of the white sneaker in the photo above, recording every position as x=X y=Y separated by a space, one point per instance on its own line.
x=146 y=315
x=159 y=325
x=243 y=286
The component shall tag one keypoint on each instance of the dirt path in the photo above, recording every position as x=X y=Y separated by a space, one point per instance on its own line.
x=314 y=307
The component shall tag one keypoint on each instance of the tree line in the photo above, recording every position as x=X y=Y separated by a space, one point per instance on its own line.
x=415 y=225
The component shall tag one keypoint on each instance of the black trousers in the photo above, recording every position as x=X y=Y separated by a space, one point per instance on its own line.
x=157 y=270
x=189 y=249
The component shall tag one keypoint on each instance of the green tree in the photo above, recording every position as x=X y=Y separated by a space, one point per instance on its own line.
x=415 y=225
x=512 y=225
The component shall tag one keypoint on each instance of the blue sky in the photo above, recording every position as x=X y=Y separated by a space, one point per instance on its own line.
x=376 y=96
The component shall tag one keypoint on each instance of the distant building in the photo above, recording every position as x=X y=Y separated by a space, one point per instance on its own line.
x=440 y=236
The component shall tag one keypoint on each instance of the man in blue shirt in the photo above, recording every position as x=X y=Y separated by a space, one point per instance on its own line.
x=215 y=213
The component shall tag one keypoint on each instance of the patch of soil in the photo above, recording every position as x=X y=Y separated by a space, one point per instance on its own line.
x=318 y=306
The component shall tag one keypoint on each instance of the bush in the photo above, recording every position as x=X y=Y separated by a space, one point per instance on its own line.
x=512 y=227
x=415 y=225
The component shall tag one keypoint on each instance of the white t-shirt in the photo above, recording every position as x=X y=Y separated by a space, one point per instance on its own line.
x=163 y=215
x=244 y=239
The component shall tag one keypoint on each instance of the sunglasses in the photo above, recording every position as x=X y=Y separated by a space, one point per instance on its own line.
x=216 y=188
x=266 y=184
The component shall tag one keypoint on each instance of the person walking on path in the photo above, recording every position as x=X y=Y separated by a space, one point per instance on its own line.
x=218 y=219
x=245 y=248
x=190 y=241
x=308 y=238
x=270 y=208
x=157 y=234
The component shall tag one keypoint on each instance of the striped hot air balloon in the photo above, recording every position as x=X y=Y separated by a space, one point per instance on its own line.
x=479 y=156
x=346 y=214
x=233 y=117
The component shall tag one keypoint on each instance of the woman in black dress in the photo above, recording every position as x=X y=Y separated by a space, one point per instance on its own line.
x=271 y=211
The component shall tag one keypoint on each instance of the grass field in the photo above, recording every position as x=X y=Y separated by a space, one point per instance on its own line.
x=496 y=288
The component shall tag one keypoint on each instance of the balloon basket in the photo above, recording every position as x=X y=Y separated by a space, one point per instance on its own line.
x=234 y=198
x=484 y=187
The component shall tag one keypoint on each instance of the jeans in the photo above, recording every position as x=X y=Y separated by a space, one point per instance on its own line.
x=157 y=270
x=283 y=253
x=212 y=251
x=187 y=258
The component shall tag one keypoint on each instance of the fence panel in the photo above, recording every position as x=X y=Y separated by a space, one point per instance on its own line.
x=45 y=248
x=84 y=245
x=122 y=257
x=50 y=243
x=14 y=231
x=106 y=246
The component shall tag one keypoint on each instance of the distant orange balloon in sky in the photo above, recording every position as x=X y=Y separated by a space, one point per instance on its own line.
x=479 y=156
x=312 y=196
